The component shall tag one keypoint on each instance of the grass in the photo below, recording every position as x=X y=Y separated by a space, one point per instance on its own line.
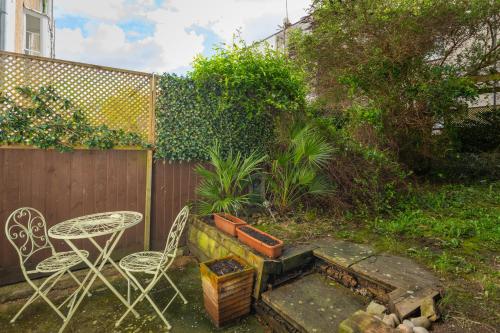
x=452 y=229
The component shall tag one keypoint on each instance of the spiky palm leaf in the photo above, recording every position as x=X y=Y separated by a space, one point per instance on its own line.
x=225 y=188
x=295 y=171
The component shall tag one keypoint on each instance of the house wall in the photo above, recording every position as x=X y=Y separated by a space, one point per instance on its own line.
x=16 y=10
x=10 y=25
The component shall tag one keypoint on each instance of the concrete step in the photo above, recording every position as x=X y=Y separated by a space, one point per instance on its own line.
x=312 y=304
x=403 y=285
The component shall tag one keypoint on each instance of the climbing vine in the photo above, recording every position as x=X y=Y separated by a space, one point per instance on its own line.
x=48 y=120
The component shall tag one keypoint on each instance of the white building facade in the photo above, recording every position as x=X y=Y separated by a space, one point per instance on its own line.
x=27 y=26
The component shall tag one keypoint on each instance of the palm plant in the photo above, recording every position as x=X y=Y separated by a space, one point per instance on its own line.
x=295 y=169
x=224 y=185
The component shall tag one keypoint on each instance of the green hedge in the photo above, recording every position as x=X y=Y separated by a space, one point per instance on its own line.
x=231 y=98
x=188 y=122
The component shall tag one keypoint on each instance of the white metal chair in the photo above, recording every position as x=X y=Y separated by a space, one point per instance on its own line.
x=156 y=264
x=26 y=230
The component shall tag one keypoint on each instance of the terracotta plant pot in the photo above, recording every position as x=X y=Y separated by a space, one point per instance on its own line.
x=228 y=223
x=271 y=250
x=229 y=296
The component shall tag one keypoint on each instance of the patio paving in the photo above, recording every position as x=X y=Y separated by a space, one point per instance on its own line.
x=100 y=312
x=314 y=303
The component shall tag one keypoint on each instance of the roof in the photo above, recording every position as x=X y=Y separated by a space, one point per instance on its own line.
x=304 y=19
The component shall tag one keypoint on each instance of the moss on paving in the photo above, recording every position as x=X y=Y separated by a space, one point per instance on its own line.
x=100 y=312
x=453 y=229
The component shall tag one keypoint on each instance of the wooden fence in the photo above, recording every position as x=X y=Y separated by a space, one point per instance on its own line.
x=174 y=185
x=66 y=185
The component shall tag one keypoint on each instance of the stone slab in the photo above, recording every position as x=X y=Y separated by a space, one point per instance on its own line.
x=399 y=272
x=405 y=305
x=408 y=285
x=314 y=303
x=362 y=322
x=296 y=257
x=341 y=253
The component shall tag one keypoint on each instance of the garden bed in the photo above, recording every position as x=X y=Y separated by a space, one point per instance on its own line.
x=223 y=267
x=260 y=241
x=206 y=242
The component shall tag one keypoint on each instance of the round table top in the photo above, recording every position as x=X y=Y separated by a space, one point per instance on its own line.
x=95 y=225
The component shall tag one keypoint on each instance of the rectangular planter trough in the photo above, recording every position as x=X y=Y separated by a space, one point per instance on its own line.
x=229 y=296
x=271 y=250
x=228 y=223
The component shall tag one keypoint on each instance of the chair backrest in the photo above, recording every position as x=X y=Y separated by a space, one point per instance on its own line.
x=174 y=236
x=26 y=230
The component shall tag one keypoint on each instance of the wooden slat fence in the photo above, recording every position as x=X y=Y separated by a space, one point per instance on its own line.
x=67 y=185
x=174 y=185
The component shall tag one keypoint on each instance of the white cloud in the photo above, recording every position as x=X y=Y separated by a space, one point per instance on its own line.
x=107 y=45
x=173 y=43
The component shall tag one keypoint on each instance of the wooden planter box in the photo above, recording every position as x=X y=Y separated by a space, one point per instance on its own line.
x=228 y=223
x=272 y=251
x=227 y=297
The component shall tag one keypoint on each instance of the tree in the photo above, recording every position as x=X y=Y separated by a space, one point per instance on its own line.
x=407 y=60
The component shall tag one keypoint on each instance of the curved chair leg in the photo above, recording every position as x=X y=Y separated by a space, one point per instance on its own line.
x=141 y=297
x=39 y=292
x=28 y=302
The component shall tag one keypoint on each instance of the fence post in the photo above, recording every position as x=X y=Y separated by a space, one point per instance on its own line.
x=149 y=167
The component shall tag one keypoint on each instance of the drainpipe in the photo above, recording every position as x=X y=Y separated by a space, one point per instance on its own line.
x=52 y=29
x=3 y=25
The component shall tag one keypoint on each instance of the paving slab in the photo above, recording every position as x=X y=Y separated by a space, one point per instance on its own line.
x=399 y=272
x=362 y=322
x=297 y=256
x=341 y=253
x=100 y=312
x=408 y=286
x=314 y=303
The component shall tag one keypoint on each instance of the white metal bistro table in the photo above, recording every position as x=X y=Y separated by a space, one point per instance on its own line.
x=111 y=224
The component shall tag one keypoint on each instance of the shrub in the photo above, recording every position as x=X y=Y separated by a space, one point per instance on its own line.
x=184 y=120
x=409 y=59
x=224 y=186
x=366 y=175
x=366 y=179
x=295 y=169
x=466 y=167
x=232 y=97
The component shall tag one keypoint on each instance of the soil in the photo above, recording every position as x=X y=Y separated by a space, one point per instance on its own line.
x=209 y=219
x=223 y=267
x=259 y=236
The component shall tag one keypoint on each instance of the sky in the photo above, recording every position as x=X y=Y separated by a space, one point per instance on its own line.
x=161 y=35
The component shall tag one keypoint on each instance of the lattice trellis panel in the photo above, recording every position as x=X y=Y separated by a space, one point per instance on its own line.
x=121 y=99
x=475 y=115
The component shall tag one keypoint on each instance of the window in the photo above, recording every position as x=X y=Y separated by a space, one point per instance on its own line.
x=33 y=38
